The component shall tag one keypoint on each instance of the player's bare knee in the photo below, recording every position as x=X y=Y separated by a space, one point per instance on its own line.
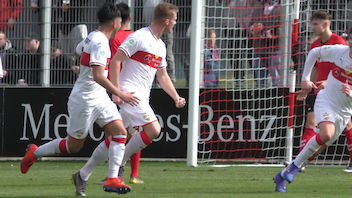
x=310 y=121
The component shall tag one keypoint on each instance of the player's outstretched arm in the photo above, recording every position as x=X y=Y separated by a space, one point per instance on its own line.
x=166 y=83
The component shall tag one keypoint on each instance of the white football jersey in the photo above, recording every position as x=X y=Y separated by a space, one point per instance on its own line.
x=340 y=72
x=146 y=55
x=94 y=50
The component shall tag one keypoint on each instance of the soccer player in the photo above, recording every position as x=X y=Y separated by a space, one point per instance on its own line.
x=321 y=27
x=332 y=108
x=143 y=56
x=89 y=102
x=100 y=153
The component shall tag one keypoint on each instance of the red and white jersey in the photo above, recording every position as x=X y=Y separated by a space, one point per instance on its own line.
x=341 y=71
x=324 y=68
x=94 y=50
x=146 y=54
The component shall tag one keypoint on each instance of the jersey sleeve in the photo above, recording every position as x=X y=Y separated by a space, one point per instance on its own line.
x=99 y=54
x=79 y=47
x=131 y=45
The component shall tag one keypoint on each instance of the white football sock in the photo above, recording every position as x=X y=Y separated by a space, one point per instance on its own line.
x=134 y=145
x=311 y=147
x=99 y=156
x=116 y=152
x=51 y=148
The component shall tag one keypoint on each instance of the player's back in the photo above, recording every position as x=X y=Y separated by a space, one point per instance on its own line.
x=94 y=50
x=324 y=68
x=147 y=54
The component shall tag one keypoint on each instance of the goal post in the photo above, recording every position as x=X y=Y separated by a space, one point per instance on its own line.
x=193 y=108
x=242 y=105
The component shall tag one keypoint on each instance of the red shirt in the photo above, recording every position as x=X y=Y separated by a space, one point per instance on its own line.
x=119 y=38
x=324 y=68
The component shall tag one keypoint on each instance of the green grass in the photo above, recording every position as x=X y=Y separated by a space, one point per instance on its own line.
x=174 y=179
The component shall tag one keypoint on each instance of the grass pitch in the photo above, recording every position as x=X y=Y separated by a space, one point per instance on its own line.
x=176 y=180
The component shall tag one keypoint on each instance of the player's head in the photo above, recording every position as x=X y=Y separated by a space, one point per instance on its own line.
x=109 y=16
x=125 y=12
x=32 y=42
x=320 y=22
x=166 y=14
x=3 y=39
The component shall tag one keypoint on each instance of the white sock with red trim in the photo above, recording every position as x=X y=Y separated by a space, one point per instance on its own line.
x=99 y=156
x=308 y=151
x=116 y=153
x=54 y=147
x=137 y=143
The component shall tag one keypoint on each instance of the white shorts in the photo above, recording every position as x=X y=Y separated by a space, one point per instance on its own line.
x=83 y=116
x=324 y=111
x=137 y=116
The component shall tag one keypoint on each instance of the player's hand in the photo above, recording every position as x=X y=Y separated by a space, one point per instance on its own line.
x=180 y=102
x=129 y=98
x=117 y=100
x=301 y=95
x=322 y=85
x=346 y=88
x=75 y=69
x=308 y=86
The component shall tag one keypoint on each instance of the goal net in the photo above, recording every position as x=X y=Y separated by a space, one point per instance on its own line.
x=252 y=60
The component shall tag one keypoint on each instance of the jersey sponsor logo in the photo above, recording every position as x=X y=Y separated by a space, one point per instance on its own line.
x=341 y=74
x=146 y=58
x=326 y=116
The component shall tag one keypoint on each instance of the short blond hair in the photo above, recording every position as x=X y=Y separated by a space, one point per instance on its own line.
x=164 y=11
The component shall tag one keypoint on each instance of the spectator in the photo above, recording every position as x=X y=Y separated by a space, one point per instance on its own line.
x=29 y=67
x=211 y=61
x=168 y=38
x=266 y=32
x=71 y=15
x=5 y=48
x=10 y=10
x=60 y=71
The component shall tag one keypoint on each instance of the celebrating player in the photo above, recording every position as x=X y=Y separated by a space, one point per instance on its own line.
x=100 y=153
x=321 y=27
x=332 y=108
x=143 y=55
x=89 y=102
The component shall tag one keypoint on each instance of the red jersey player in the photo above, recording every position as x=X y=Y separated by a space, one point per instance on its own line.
x=321 y=27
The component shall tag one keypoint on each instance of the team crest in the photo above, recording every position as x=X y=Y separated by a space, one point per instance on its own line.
x=326 y=116
x=147 y=117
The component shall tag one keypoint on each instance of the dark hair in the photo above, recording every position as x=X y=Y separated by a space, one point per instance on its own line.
x=124 y=10
x=164 y=11
x=107 y=13
x=320 y=15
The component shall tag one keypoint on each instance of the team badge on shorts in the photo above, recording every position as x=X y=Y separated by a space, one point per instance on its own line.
x=147 y=117
x=326 y=116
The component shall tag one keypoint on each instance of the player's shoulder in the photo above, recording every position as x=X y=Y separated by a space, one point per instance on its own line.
x=337 y=49
x=97 y=37
x=316 y=43
x=337 y=39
